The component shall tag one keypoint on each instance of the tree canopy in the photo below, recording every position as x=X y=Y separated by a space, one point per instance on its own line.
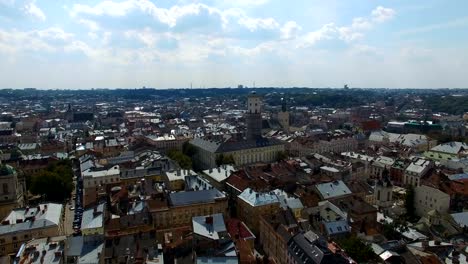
x=357 y=250
x=55 y=182
x=184 y=161
x=409 y=204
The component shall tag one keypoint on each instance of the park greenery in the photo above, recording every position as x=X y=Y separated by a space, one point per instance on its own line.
x=224 y=159
x=357 y=250
x=409 y=205
x=54 y=183
x=184 y=161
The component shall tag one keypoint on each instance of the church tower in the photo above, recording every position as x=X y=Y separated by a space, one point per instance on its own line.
x=283 y=116
x=254 y=116
x=383 y=192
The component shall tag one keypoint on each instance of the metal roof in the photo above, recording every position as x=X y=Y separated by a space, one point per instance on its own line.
x=195 y=197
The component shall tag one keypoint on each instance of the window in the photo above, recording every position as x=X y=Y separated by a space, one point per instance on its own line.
x=14 y=238
x=5 y=188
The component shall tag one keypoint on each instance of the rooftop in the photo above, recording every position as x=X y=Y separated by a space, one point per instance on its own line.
x=333 y=189
x=210 y=226
x=43 y=250
x=41 y=216
x=179 y=175
x=115 y=170
x=93 y=218
x=195 y=197
x=221 y=173
x=258 y=198
x=453 y=147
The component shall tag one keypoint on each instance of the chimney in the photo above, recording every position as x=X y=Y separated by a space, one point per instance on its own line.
x=425 y=244
x=455 y=257
x=209 y=220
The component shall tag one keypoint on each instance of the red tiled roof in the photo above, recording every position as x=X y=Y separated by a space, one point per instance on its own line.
x=237 y=181
x=237 y=228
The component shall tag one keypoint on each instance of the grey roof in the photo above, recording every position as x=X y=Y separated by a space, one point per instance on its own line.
x=208 y=145
x=457 y=177
x=46 y=248
x=337 y=227
x=212 y=230
x=333 y=189
x=248 y=144
x=258 y=199
x=195 y=197
x=93 y=219
x=221 y=147
x=86 y=248
x=310 y=248
x=451 y=147
x=461 y=218
x=305 y=251
x=217 y=260
x=42 y=218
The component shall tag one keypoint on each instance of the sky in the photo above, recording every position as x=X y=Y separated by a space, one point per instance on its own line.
x=66 y=44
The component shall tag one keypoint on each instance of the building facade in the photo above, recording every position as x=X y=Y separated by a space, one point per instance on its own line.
x=12 y=189
x=427 y=198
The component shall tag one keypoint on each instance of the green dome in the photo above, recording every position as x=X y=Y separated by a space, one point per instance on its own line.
x=6 y=170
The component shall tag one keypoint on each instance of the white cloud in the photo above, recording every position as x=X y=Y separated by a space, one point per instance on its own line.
x=361 y=24
x=253 y=24
x=244 y=3
x=33 y=10
x=54 y=33
x=382 y=14
x=15 y=41
x=290 y=30
x=459 y=22
x=146 y=36
x=91 y=25
x=325 y=32
x=7 y=2
x=349 y=34
x=172 y=16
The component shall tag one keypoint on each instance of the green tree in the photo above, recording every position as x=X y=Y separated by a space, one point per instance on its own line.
x=357 y=250
x=219 y=159
x=222 y=159
x=409 y=204
x=282 y=155
x=391 y=230
x=55 y=182
x=184 y=161
x=188 y=149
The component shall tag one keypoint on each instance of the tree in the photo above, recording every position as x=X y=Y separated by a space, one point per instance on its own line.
x=392 y=230
x=55 y=182
x=282 y=156
x=184 y=161
x=222 y=159
x=219 y=159
x=409 y=204
x=357 y=250
x=188 y=149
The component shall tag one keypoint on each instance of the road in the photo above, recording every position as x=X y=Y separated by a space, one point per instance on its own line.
x=69 y=215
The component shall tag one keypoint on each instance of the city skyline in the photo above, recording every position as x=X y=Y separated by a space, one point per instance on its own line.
x=136 y=43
